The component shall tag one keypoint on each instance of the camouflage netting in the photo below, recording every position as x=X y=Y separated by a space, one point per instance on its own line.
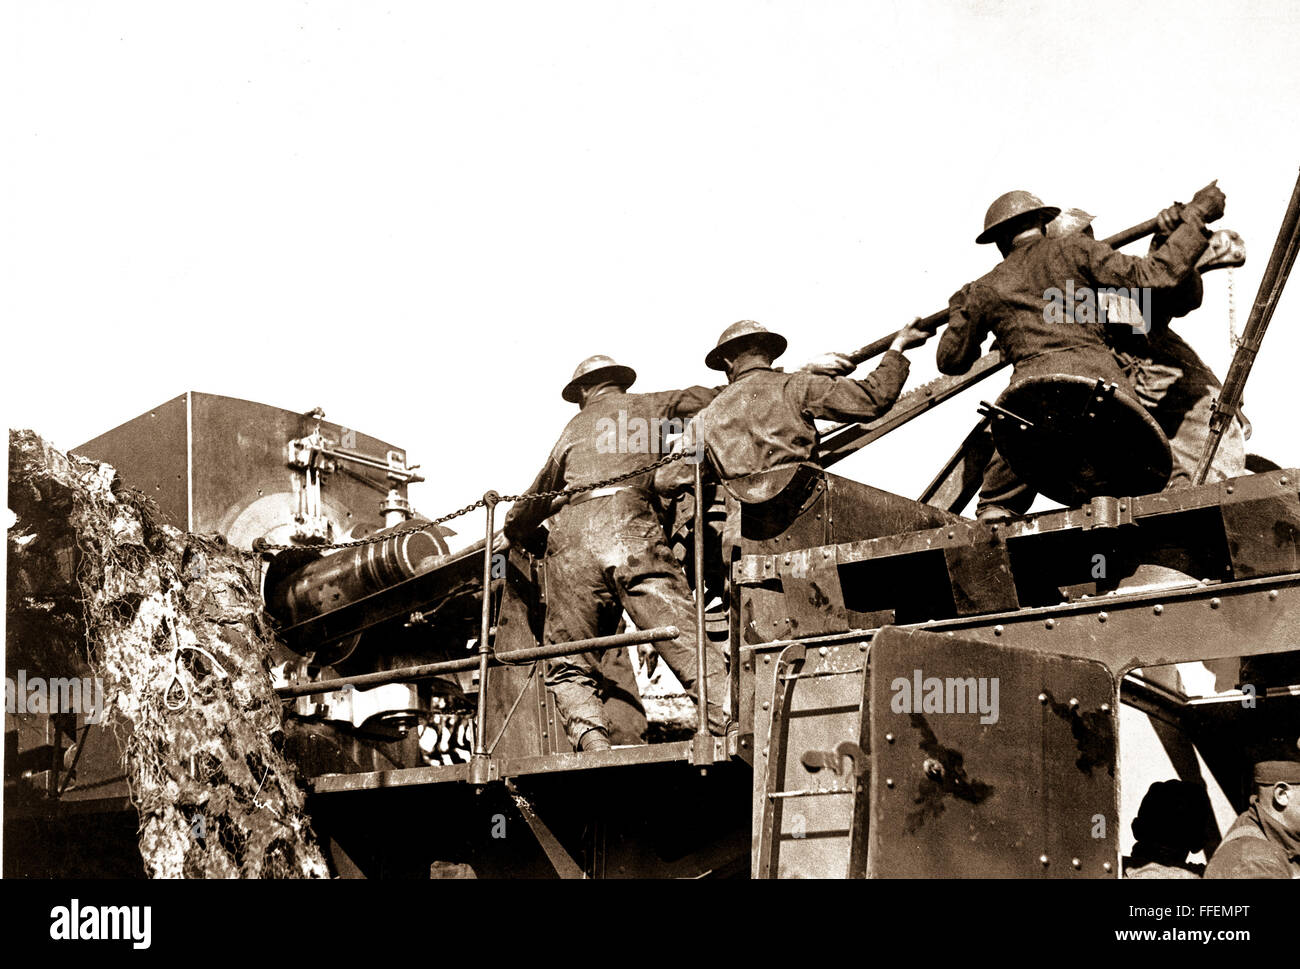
x=173 y=624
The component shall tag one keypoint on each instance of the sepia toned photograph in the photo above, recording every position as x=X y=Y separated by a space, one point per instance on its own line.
x=656 y=440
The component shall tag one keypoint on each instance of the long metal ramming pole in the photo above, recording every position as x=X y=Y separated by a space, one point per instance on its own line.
x=701 y=677
x=480 y=764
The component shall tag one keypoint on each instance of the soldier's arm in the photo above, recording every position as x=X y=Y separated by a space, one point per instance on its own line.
x=525 y=517
x=846 y=399
x=1183 y=298
x=1163 y=269
x=678 y=476
x=687 y=402
x=959 y=347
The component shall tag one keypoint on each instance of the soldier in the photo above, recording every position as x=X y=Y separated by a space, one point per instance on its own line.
x=606 y=550
x=1019 y=298
x=1170 y=824
x=1264 y=841
x=1169 y=378
x=764 y=418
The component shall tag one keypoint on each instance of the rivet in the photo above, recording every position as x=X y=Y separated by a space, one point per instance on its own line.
x=1229 y=489
x=862 y=647
x=1042 y=698
x=775 y=622
x=1074 y=703
x=1103 y=616
x=1106 y=865
x=1050 y=624
x=744 y=743
x=889 y=738
x=1214 y=603
x=997 y=630
x=889 y=782
x=1075 y=862
x=823 y=651
x=1105 y=708
x=746 y=667
x=1042 y=859
x=767 y=659
x=826 y=553
x=1158 y=610
x=1121 y=507
x=766 y=704
x=1273 y=595
x=764 y=751
x=1282 y=479
x=950 y=534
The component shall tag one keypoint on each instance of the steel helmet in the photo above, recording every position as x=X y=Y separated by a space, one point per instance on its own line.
x=1071 y=220
x=740 y=335
x=1023 y=208
x=599 y=369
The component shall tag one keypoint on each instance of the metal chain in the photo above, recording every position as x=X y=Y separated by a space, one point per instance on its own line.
x=481 y=503
x=1233 y=340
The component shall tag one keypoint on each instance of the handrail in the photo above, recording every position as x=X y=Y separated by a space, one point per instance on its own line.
x=656 y=634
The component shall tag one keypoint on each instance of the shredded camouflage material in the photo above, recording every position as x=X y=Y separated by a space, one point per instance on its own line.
x=173 y=624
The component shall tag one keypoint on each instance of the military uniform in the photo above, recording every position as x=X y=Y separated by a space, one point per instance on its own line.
x=606 y=550
x=1256 y=846
x=765 y=418
x=1020 y=301
x=1176 y=386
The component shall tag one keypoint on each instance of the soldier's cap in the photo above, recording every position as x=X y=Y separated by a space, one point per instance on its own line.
x=598 y=369
x=1071 y=220
x=1277 y=772
x=740 y=336
x=1015 y=212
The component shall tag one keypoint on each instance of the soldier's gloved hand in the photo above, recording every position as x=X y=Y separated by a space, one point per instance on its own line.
x=910 y=336
x=1207 y=204
x=533 y=542
x=1169 y=219
x=830 y=365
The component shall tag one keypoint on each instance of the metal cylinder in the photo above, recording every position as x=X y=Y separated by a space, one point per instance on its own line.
x=334 y=581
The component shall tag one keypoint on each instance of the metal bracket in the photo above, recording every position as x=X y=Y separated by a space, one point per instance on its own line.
x=1102 y=393
x=1107 y=512
x=994 y=412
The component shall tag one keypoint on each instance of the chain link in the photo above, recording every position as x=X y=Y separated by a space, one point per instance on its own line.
x=1234 y=341
x=482 y=503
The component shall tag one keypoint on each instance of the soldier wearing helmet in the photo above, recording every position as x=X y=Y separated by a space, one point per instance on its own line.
x=764 y=418
x=1015 y=301
x=606 y=550
x=1168 y=376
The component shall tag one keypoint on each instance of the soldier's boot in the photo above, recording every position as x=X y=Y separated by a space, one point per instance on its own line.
x=594 y=739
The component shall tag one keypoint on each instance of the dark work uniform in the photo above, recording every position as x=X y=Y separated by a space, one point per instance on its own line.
x=1015 y=301
x=764 y=418
x=1256 y=846
x=1176 y=386
x=608 y=553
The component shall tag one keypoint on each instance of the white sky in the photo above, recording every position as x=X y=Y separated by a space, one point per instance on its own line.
x=420 y=216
